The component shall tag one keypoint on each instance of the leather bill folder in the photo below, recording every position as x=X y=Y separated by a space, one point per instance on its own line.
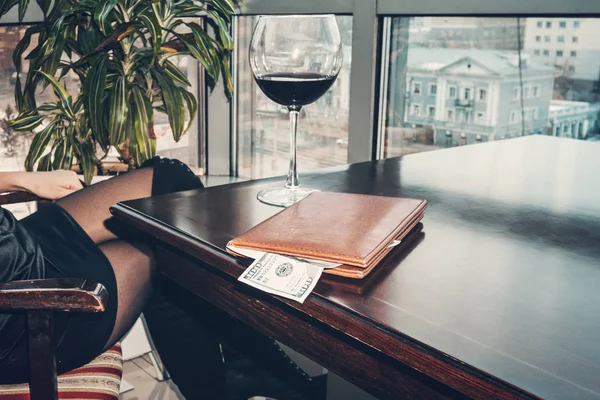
x=354 y=230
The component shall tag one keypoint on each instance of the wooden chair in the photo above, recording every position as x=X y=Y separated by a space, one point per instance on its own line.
x=39 y=300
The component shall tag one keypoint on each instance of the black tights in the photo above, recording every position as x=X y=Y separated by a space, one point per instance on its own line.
x=183 y=333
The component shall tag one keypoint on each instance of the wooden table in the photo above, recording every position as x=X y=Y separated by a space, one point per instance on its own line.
x=497 y=297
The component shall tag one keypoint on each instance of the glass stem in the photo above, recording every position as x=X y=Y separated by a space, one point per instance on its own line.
x=292 y=178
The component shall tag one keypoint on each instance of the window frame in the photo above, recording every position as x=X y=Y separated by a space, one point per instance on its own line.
x=482 y=90
x=417 y=107
x=415 y=85
x=368 y=76
x=516 y=93
x=429 y=108
x=371 y=30
x=455 y=92
x=431 y=86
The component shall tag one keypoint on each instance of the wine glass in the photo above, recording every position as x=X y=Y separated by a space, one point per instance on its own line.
x=295 y=59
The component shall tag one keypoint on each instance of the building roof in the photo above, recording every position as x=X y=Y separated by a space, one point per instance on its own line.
x=566 y=108
x=504 y=63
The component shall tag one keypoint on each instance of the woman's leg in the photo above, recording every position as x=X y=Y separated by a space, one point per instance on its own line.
x=134 y=268
x=90 y=206
x=188 y=349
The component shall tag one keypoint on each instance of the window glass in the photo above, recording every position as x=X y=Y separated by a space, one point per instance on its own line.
x=263 y=134
x=14 y=145
x=486 y=89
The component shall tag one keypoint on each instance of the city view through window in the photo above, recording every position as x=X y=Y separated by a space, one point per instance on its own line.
x=461 y=81
x=451 y=81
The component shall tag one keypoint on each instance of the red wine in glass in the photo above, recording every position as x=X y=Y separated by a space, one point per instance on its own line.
x=289 y=89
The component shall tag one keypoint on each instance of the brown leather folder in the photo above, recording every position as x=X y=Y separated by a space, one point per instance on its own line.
x=354 y=230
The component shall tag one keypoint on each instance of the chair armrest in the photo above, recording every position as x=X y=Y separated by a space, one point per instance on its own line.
x=65 y=294
x=18 y=197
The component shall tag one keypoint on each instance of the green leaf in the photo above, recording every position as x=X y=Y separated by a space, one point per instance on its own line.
x=150 y=22
x=45 y=163
x=175 y=73
x=102 y=11
x=63 y=155
x=54 y=35
x=61 y=92
x=44 y=5
x=227 y=76
x=200 y=53
x=52 y=63
x=224 y=7
x=141 y=116
x=38 y=145
x=48 y=107
x=117 y=112
x=19 y=94
x=27 y=122
x=87 y=161
x=192 y=106
x=224 y=34
x=93 y=95
x=24 y=44
x=22 y=9
x=173 y=103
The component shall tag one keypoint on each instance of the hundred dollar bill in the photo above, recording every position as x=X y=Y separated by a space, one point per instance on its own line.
x=283 y=276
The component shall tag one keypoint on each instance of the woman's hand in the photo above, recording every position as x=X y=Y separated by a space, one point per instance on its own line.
x=48 y=185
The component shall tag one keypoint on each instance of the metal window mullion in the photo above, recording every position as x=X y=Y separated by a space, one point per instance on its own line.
x=362 y=81
x=487 y=7
x=386 y=36
x=218 y=125
x=257 y=7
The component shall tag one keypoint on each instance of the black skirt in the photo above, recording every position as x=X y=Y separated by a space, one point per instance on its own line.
x=68 y=252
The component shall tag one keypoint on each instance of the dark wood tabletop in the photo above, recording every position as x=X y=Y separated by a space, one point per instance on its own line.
x=498 y=296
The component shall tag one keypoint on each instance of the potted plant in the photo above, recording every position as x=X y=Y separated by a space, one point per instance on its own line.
x=121 y=52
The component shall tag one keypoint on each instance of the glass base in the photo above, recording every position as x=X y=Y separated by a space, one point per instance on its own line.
x=284 y=197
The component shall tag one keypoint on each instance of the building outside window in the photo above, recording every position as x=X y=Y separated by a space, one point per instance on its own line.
x=573 y=53
x=452 y=92
x=575 y=39
x=538 y=39
x=482 y=94
x=563 y=24
x=546 y=52
x=467 y=94
x=576 y=24
x=559 y=53
x=514 y=116
x=560 y=39
x=540 y=24
x=549 y=24
x=417 y=87
x=450 y=115
x=431 y=111
x=547 y=39
x=432 y=89
x=416 y=109
x=516 y=93
x=536 y=52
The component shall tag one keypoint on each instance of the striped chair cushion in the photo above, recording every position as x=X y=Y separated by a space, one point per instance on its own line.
x=98 y=380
